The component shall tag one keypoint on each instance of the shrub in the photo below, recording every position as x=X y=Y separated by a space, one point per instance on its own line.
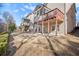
x=3 y=42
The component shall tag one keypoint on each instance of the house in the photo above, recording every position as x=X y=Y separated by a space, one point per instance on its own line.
x=70 y=17
x=47 y=15
x=24 y=26
x=58 y=18
x=53 y=18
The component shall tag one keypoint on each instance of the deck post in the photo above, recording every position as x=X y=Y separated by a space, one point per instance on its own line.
x=33 y=28
x=48 y=26
x=56 y=28
x=42 y=27
x=37 y=28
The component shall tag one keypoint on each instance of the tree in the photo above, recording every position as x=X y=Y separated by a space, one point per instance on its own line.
x=2 y=26
x=11 y=26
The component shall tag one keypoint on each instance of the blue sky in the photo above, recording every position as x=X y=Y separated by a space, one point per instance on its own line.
x=77 y=14
x=18 y=10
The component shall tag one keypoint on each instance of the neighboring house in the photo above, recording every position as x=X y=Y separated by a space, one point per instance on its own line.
x=30 y=16
x=70 y=16
x=24 y=26
x=53 y=18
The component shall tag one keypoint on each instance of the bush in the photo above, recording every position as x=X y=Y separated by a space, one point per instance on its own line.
x=3 y=33
x=3 y=42
x=2 y=47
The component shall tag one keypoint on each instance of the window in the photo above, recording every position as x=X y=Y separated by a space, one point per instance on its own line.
x=40 y=11
x=43 y=11
x=46 y=10
x=58 y=27
x=53 y=27
x=37 y=13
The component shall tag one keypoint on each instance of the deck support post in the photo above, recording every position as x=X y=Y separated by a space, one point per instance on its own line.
x=42 y=27
x=48 y=26
x=37 y=28
x=56 y=29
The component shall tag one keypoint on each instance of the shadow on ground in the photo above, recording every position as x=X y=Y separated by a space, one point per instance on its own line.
x=11 y=49
x=64 y=46
x=59 y=46
x=75 y=32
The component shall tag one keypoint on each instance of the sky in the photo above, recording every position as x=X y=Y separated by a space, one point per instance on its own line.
x=77 y=14
x=19 y=10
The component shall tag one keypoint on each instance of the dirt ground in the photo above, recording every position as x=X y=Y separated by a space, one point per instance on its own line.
x=43 y=45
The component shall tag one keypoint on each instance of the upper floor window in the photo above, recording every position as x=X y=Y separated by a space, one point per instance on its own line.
x=37 y=13
x=46 y=10
x=42 y=11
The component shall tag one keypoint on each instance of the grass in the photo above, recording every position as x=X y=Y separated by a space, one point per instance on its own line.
x=3 y=42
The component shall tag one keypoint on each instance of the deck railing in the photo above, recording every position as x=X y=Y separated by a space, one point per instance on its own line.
x=56 y=13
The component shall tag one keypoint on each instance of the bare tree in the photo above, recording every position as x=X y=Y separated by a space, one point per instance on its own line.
x=9 y=21
x=2 y=26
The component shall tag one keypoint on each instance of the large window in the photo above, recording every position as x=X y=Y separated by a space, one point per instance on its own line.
x=37 y=13
x=43 y=11
x=40 y=11
x=46 y=10
x=53 y=27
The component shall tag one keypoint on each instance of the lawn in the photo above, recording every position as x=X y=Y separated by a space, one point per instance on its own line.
x=3 y=42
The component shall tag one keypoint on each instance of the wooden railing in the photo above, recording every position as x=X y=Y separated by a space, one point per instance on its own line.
x=56 y=13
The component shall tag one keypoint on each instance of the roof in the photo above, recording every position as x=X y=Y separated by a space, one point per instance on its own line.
x=40 y=5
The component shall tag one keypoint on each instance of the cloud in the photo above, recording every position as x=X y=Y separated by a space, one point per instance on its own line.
x=0 y=16
x=22 y=9
x=30 y=7
x=25 y=15
x=21 y=16
x=16 y=10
